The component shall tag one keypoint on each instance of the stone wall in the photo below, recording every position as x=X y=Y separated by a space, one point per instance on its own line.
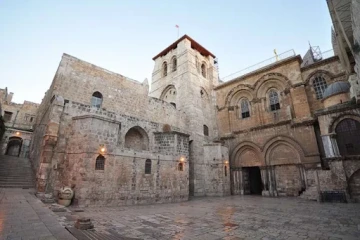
x=355 y=15
x=281 y=143
x=330 y=69
x=82 y=131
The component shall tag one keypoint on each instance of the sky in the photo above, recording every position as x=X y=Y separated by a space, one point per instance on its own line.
x=124 y=35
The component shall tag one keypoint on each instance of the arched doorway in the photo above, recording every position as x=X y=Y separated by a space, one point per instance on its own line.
x=354 y=186
x=246 y=173
x=14 y=146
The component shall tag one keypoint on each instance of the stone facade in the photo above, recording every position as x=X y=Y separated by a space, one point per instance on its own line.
x=18 y=121
x=271 y=132
x=130 y=133
x=288 y=146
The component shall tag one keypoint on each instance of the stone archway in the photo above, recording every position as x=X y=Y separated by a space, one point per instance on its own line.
x=13 y=147
x=246 y=175
x=354 y=186
x=283 y=160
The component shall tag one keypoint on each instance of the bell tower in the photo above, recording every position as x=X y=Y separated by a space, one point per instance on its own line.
x=184 y=75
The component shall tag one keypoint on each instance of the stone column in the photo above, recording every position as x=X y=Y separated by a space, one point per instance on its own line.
x=330 y=146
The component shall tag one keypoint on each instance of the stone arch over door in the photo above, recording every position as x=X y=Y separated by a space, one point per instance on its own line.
x=284 y=158
x=137 y=139
x=245 y=158
x=13 y=147
x=354 y=186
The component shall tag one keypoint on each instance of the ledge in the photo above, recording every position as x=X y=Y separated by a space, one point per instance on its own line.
x=96 y=117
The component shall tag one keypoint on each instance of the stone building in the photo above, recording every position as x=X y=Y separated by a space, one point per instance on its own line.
x=18 y=120
x=288 y=128
x=116 y=143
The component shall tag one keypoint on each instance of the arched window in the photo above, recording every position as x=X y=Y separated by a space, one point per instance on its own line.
x=96 y=99
x=319 y=85
x=181 y=166
x=206 y=130
x=148 y=166
x=100 y=163
x=164 y=69
x=203 y=70
x=274 y=100
x=174 y=64
x=244 y=105
x=348 y=137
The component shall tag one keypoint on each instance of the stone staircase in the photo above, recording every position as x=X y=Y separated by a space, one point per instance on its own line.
x=15 y=172
x=311 y=193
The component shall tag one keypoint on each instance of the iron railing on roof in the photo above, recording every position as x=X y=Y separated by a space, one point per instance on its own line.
x=327 y=54
x=265 y=63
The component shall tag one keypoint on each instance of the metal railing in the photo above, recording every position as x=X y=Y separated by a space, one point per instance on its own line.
x=327 y=54
x=265 y=63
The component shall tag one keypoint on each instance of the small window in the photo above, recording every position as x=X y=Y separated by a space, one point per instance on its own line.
x=148 y=166
x=274 y=100
x=174 y=104
x=31 y=119
x=96 y=99
x=7 y=116
x=164 y=69
x=225 y=170
x=245 y=112
x=206 y=130
x=181 y=166
x=203 y=70
x=100 y=163
x=174 y=64
x=319 y=85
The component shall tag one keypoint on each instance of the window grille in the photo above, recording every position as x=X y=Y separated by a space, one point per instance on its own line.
x=100 y=163
x=274 y=100
x=319 y=85
x=348 y=137
x=96 y=99
x=245 y=112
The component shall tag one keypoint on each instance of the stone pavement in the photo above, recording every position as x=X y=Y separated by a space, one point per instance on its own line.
x=227 y=218
x=23 y=216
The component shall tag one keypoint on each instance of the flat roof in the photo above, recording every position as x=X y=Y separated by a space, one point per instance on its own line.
x=194 y=45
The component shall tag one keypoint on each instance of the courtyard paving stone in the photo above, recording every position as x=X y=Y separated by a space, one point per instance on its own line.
x=24 y=217
x=226 y=218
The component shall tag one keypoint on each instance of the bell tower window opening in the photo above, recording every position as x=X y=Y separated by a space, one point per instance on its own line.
x=206 y=130
x=164 y=69
x=203 y=70
x=174 y=64
x=274 y=100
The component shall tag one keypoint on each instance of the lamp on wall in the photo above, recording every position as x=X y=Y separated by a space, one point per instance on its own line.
x=182 y=159
x=102 y=149
x=226 y=162
x=17 y=133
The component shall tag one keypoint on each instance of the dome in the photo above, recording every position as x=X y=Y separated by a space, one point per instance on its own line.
x=336 y=88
